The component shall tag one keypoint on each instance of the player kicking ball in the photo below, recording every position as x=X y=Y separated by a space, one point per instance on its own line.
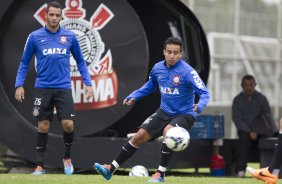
x=177 y=82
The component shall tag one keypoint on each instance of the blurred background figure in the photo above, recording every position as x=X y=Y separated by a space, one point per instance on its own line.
x=252 y=116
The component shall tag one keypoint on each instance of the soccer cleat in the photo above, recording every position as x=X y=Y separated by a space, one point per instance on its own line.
x=156 y=178
x=68 y=167
x=104 y=170
x=38 y=171
x=263 y=174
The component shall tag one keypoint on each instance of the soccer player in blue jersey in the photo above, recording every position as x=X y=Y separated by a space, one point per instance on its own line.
x=177 y=83
x=52 y=46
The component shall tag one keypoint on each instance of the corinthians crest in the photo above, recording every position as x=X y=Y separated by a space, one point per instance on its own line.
x=104 y=79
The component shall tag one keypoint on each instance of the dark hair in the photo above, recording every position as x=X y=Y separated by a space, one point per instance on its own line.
x=248 y=77
x=54 y=4
x=174 y=41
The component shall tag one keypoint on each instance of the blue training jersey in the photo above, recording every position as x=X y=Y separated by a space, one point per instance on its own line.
x=52 y=52
x=177 y=86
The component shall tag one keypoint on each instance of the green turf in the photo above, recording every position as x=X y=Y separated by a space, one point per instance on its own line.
x=201 y=178
x=97 y=179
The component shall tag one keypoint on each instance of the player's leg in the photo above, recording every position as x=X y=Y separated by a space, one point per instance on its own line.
x=42 y=139
x=184 y=121
x=276 y=163
x=68 y=136
x=166 y=154
x=65 y=112
x=141 y=137
x=42 y=111
x=270 y=174
x=150 y=129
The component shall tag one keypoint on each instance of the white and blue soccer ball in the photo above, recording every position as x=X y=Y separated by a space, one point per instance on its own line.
x=139 y=170
x=177 y=138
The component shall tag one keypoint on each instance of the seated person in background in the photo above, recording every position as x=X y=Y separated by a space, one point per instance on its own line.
x=252 y=116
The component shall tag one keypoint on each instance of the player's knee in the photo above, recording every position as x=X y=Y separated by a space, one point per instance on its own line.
x=137 y=141
x=67 y=125
x=140 y=138
x=166 y=129
x=43 y=126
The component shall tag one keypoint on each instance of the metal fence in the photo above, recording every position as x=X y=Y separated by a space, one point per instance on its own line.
x=244 y=36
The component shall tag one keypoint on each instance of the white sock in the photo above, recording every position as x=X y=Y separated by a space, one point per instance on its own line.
x=115 y=164
x=161 y=168
x=276 y=172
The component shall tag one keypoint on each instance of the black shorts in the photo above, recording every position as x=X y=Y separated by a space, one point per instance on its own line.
x=46 y=99
x=156 y=123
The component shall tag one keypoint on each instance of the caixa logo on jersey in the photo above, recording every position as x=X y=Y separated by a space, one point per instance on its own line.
x=103 y=76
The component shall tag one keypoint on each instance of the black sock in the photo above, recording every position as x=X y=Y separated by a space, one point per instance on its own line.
x=68 y=139
x=42 y=139
x=276 y=159
x=165 y=157
x=126 y=152
x=113 y=168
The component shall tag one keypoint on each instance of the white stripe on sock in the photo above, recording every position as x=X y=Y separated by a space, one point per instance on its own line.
x=133 y=145
x=161 y=168
x=276 y=172
x=115 y=164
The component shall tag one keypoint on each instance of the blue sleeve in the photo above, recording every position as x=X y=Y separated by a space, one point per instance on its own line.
x=149 y=87
x=81 y=64
x=200 y=88
x=28 y=52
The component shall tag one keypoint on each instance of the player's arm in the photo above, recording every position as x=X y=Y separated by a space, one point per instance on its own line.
x=149 y=87
x=201 y=89
x=82 y=67
x=23 y=68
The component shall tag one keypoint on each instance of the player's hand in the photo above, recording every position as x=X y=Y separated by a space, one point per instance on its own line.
x=88 y=92
x=129 y=101
x=19 y=94
x=195 y=108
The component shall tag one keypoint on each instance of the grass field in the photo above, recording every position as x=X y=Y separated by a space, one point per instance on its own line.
x=93 y=179
x=185 y=176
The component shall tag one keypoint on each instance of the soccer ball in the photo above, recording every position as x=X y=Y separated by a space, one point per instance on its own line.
x=139 y=170
x=177 y=138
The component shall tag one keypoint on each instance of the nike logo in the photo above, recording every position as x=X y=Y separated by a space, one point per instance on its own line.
x=261 y=174
x=72 y=115
x=125 y=149
x=42 y=40
x=164 y=152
